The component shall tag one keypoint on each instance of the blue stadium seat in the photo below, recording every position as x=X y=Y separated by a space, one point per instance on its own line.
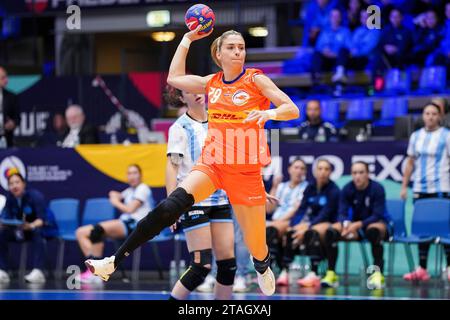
x=432 y=79
x=360 y=109
x=97 y=210
x=330 y=111
x=392 y=108
x=396 y=209
x=66 y=216
x=431 y=222
x=165 y=235
x=397 y=82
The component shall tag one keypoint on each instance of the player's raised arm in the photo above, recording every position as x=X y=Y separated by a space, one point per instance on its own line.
x=177 y=72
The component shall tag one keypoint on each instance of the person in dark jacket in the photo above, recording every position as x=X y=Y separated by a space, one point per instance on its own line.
x=315 y=129
x=317 y=211
x=395 y=43
x=362 y=215
x=79 y=132
x=9 y=112
x=427 y=39
x=24 y=218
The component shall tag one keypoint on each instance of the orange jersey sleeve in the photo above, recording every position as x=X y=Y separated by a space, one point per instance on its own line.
x=230 y=140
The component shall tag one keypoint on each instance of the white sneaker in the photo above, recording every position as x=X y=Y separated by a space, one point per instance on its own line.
x=208 y=284
x=35 y=276
x=266 y=282
x=4 y=277
x=240 y=284
x=102 y=268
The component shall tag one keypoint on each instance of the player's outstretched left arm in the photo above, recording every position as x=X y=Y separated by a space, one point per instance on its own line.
x=286 y=109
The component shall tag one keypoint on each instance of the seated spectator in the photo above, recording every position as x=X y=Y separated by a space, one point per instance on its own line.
x=427 y=40
x=352 y=14
x=289 y=194
x=317 y=211
x=362 y=215
x=441 y=56
x=79 y=132
x=330 y=41
x=359 y=51
x=395 y=43
x=28 y=206
x=316 y=18
x=315 y=129
x=133 y=203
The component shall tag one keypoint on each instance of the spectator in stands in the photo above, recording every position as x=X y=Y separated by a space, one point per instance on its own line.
x=79 y=132
x=429 y=154
x=289 y=194
x=395 y=43
x=427 y=40
x=316 y=19
x=133 y=203
x=441 y=56
x=352 y=14
x=330 y=41
x=27 y=207
x=362 y=215
x=419 y=8
x=9 y=112
x=315 y=129
x=359 y=51
x=317 y=211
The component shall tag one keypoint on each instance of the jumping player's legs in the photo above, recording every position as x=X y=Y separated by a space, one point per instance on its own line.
x=196 y=187
x=252 y=220
x=199 y=246
x=223 y=248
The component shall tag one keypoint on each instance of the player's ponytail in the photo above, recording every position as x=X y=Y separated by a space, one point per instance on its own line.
x=217 y=44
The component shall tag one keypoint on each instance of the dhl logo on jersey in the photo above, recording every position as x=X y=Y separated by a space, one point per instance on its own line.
x=227 y=116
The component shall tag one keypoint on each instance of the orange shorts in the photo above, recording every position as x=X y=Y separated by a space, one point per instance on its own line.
x=243 y=187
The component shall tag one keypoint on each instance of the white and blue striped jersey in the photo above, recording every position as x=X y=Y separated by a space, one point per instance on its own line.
x=186 y=138
x=431 y=152
x=289 y=198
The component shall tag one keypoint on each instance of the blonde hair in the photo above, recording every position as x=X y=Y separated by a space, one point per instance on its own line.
x=217 y=44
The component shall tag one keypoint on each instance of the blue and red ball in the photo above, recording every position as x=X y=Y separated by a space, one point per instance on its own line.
x=200 y=14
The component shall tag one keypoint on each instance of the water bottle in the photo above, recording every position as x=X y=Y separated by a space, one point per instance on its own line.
x=361 y=136
x=321 y=135
x=113 y=138
x=173 y=273
x=294 y=270
x=3 y=144
x=182 y=267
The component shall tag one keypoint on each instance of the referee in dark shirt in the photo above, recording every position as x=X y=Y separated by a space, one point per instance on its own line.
x=362 y=215
x=315 y=129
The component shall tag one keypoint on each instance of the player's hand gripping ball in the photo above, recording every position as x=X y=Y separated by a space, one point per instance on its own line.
x=200 y=14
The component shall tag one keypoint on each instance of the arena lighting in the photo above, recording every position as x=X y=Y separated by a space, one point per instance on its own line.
x=258 y=31
x=158 y=18
x=163 y=36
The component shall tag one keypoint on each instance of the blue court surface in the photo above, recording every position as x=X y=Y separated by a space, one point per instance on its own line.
x=159 y=290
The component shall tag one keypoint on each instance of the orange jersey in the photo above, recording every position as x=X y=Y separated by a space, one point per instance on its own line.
x=230 y=141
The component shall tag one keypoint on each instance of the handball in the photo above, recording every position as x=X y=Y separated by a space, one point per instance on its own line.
x=200 y=14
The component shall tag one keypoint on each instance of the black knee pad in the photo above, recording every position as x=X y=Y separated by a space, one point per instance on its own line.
x=271 y=234
x=168 y=211
x=226 y=270
x=311 y=238
x=197 y=272
x=97 y=234
x=332 y=236
x=373 y=235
